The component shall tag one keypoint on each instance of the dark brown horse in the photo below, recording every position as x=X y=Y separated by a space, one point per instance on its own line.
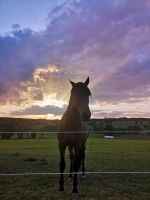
x=73 y=132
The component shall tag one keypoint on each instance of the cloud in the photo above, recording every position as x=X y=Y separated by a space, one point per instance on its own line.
x=129 y=81
x=107 y=40
x=107 y=113
x=37 y=110
x=116 y=114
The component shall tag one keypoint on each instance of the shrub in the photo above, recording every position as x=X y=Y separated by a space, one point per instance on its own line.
x=33 y=135
x=6 y=135
x=20 y=135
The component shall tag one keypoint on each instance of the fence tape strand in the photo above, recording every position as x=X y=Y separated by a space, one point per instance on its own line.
x=67 y=173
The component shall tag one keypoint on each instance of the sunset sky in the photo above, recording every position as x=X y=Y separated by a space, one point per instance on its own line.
x=44 y=43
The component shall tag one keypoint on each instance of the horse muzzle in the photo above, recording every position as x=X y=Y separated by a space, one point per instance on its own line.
x=86 y=116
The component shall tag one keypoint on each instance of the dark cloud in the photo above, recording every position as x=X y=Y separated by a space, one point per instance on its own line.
x=16 y=26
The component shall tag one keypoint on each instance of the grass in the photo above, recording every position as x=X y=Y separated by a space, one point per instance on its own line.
x=41 y=155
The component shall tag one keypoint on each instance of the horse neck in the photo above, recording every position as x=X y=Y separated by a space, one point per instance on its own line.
x=73 y=115
x=72 y=109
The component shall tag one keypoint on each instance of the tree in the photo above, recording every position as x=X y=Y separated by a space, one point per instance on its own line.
x=6 y=135
x=20 y=135
x=110 y=129
x=33 y=135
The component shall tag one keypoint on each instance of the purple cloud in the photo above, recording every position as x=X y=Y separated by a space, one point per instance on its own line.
x=107 y=40
x=129 y=81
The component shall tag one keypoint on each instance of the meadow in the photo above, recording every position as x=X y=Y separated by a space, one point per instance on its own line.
x=41 y=155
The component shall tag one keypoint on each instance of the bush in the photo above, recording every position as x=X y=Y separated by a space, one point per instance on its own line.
x=33 y=135
x=20 y=135
x=6 y=135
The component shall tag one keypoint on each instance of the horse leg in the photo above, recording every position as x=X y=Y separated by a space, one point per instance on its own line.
x=62 y=167
x=71 y=162
x=83 y=158
x=76 y=166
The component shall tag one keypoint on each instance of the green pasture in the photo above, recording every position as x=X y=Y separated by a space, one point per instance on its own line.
x=41 y=155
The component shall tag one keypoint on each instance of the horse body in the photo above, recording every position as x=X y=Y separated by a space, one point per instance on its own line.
x=72 y=132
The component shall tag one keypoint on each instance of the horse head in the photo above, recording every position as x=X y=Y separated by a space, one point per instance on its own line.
x=80 y=94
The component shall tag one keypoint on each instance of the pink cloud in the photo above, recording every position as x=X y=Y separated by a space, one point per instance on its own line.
x=107 y=40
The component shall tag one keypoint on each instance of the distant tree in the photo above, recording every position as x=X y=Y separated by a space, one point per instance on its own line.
x=110 y=129
x=49 y=127
x=6 y=135
x=121 y=131
x=95 y=128
x=148 y=133
x=20 y=135
x=136 y=129
x=33 y=135
x=27 y=135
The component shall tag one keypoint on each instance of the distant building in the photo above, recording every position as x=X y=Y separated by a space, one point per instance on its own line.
x=124 y=123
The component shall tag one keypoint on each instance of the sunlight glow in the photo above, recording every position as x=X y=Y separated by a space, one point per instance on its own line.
x=51 y=100
x=41 y=71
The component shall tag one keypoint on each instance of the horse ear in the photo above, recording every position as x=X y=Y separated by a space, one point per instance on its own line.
x=72 y=83
x=86 y=82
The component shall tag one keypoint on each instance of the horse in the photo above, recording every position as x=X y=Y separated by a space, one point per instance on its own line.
x=73 y=133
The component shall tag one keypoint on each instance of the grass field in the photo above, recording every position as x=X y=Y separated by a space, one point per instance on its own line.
x=41 y=155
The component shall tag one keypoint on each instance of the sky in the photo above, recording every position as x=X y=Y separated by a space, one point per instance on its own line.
x=45 y=43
